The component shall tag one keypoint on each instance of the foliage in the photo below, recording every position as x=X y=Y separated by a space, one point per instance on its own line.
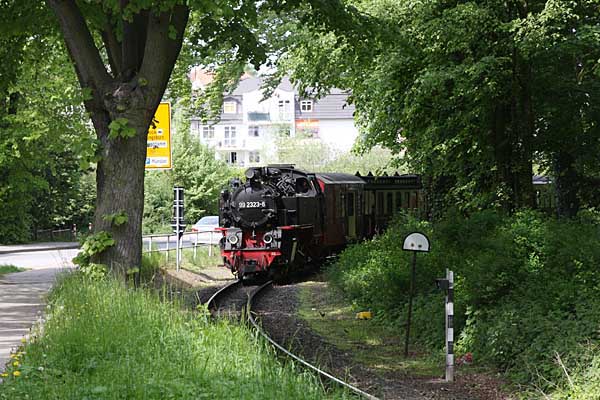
x=316 y=155
x=120 y=128
x=92 y=245
x=45 y=142
x=7 y=269
x=117 y=219
x=101 y=340
x=476 y=92
x=93 y=271
x=526 y=286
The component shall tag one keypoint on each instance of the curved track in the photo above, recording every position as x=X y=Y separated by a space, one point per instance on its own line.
x=230 y=295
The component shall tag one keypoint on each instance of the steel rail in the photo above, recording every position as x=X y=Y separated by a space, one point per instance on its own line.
x=293 y=356
x=221 y=292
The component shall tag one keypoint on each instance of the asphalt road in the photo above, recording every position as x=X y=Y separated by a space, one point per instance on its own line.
x=23 y=294
x=37 y=260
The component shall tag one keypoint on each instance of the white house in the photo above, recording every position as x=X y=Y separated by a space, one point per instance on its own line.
x=248 y=126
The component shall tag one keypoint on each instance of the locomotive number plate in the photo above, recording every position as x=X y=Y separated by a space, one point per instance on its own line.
x=252 y=204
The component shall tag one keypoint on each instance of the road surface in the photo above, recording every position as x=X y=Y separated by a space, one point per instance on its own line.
x=23 y=294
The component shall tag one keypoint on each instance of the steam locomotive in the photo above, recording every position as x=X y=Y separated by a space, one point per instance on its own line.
x=283 y=218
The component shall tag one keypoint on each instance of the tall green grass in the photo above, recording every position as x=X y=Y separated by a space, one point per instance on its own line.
x=102 y=340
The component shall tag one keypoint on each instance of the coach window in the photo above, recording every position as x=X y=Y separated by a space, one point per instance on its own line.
x=407 y=197
x=380 y=203
x=398 y=201
x=390 y=203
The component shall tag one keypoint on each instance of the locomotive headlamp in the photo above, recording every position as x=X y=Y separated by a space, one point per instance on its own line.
x=268 y=238
x=233 y=239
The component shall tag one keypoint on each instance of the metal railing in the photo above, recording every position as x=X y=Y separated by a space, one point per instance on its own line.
x=207 y=237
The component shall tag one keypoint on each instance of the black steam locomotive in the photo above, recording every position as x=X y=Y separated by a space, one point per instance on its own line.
x=282 y=217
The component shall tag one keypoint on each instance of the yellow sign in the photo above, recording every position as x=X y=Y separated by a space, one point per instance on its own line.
x=158 y=151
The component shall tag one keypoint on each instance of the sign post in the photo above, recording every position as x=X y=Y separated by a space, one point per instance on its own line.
x=178 y=221
x=415 y=242
x=447 y=284
x=158 y=147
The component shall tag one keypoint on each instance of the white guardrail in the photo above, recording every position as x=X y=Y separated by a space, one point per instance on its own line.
x=168 y=241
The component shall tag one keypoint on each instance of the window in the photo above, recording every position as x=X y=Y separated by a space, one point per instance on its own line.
x=229 y=136
x=285 y=109
x=398 y=201
x=306 y=105
x=230 y=107
x=390 y=204
x=195 y=128
x=380 y=203
x=208 y=132
x=253 y=131
x=233 y=157
x=254 y=157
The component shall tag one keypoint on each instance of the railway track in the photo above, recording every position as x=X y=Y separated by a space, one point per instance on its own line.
x=237 y=300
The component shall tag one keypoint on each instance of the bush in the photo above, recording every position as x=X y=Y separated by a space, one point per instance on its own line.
x=526 y=286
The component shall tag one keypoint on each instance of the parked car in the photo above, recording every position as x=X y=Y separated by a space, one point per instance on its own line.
x=204 y=231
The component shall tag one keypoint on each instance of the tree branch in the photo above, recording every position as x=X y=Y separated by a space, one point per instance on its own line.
x=134 y=42
x=84 y=54
x=113 y=49
x=161 y=52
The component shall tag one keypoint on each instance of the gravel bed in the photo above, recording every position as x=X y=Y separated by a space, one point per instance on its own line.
x=277 y=311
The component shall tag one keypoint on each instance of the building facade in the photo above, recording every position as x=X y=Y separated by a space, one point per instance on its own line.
x=249 y=125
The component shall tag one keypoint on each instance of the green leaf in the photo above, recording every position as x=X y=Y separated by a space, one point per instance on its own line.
x=172 y=32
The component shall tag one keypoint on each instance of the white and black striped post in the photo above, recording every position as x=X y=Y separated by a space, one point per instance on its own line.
x=450 y=327
x=178 y=221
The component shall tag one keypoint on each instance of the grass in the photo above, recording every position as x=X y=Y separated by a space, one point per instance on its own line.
x=102 y=340
x=7 y=269
x=378 y=346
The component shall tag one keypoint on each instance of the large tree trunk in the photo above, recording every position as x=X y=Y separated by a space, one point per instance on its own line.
x=141 y=60
x=120 y=191
x=566 y=181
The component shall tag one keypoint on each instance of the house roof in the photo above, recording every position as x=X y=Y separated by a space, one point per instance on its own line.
x=254 y=83
x=332 y=106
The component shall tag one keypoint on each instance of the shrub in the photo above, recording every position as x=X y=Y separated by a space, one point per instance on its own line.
x=527 y=286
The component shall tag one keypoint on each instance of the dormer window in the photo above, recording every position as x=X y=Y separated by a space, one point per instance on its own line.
x=306 y=105
x=229 y=107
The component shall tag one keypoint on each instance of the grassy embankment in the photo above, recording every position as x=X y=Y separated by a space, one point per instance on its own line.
x=103 y=340
x=8 y=269
x=378 y=346
x=527 y=298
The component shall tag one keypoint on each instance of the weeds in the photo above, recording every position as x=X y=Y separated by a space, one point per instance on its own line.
x=102 y=340
x=8 y=269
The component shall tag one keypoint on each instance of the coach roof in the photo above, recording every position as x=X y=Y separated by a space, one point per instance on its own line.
x=330 y=178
